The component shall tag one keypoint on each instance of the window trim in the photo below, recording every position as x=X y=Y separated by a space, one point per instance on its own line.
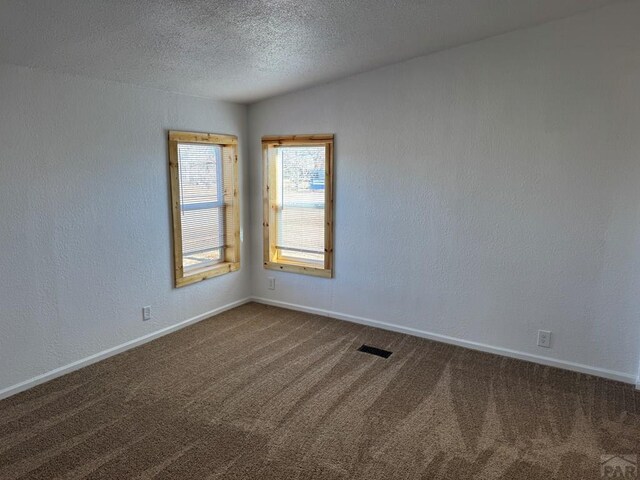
x=270 y=259
x=231 y=262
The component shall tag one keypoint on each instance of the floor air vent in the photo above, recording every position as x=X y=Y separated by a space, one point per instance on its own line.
x=375 y=351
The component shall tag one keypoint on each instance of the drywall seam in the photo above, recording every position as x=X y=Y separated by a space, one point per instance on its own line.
x=110 y=352
x=552 y=362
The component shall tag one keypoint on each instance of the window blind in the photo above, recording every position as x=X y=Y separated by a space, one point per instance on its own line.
x=300 y=212
x=201 y=204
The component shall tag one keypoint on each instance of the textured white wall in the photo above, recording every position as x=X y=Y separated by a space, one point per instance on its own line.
x=85 y=219
x=485 y=192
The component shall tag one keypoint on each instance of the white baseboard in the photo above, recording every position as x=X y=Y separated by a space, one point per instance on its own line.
x=58 y=372
x=577 y=367
x=552 y=362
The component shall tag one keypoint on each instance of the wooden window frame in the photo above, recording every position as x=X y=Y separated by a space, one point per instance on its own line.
x=271 y=260
x=231 y=262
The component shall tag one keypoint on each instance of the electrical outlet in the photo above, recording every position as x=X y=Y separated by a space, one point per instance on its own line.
x=271 y=283
x=146 y=313
x=544 y=338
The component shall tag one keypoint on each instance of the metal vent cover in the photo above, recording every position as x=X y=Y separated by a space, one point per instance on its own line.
x=375 y=351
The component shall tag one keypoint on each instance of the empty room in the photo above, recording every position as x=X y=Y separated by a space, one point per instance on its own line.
x=328 y=240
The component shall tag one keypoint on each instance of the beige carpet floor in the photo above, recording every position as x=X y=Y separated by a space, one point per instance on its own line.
x=264 y=393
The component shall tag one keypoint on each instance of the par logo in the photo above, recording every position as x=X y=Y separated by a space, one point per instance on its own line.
x=622 y=467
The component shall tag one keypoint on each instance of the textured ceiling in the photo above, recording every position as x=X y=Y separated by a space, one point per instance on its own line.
x=244 y=50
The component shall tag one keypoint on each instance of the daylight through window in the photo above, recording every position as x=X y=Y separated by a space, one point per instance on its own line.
x=298 y=210
x=205 y=205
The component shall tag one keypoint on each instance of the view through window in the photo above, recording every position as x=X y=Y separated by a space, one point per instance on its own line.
x=299 y=204
x=300 y=211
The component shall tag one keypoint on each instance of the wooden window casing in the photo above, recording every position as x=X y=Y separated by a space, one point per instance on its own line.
x=230 y=205
x=271 y=251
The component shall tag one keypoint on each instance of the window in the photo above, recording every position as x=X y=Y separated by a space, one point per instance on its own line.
x=204 y=197
x=298 y=204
